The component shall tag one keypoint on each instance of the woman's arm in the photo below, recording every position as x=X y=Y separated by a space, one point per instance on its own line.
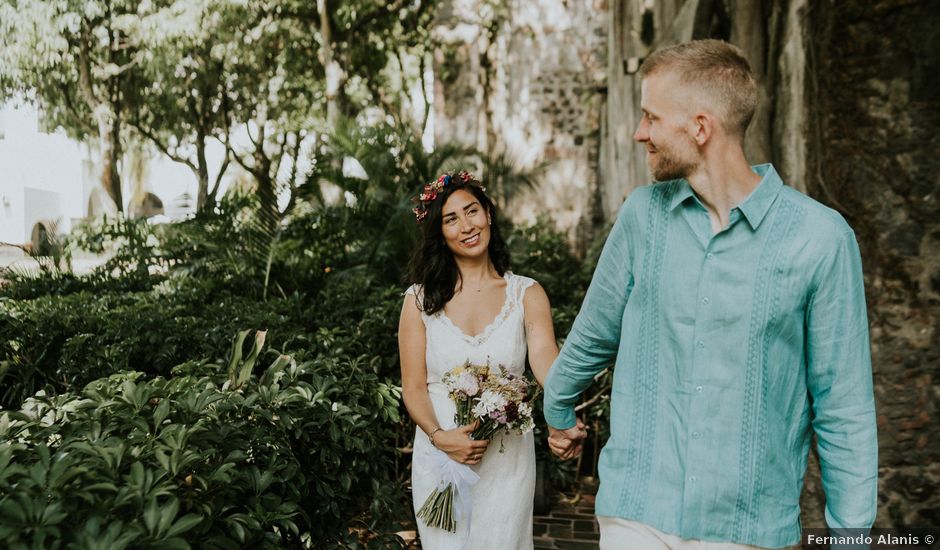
x=414 y=381
x=539 y=331
x=543 y=349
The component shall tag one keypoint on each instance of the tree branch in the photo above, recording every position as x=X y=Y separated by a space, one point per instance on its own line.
x=597 y=396
x=279 y=155
x=218 y=177
x=165 y=149
x=80 y=120
x=251 y=139
x=238 y=159
x=424 y=94
x=84 y=73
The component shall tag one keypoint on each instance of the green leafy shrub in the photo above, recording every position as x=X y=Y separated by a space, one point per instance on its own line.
x=134 y=261
x=208 y=458
x=132 y=245
x=540 y=252
x=60 y=343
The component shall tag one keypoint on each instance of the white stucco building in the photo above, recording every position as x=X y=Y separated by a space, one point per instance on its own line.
x=43 y=176
x=48 y=176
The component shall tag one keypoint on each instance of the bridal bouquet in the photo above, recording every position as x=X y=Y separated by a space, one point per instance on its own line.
x=501 y=402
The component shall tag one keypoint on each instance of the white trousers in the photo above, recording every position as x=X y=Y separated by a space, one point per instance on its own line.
x=625 y=534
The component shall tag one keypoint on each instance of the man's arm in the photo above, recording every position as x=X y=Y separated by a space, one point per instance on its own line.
x=595 y=336
x=840 y=382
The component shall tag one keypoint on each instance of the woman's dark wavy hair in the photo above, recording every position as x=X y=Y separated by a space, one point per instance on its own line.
x=433 y=266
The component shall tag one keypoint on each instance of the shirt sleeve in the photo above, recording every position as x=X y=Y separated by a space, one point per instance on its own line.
x=595 y=335
x=840 y=382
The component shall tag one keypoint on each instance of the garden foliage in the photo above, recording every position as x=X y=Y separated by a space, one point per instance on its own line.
x=211 y=457
x=121 y=425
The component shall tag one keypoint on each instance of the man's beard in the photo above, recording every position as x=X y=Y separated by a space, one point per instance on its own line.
x=670 y=166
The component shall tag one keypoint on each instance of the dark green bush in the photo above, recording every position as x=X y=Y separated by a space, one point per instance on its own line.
x=209 y=458
x=544 y=254
x=60 y=343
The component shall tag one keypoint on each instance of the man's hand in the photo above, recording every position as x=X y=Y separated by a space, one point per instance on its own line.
x=566 y=444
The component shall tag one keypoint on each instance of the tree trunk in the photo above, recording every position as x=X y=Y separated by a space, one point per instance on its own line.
x=335 y=76
x=109 y=132
x=109 y=125
x=202 y=173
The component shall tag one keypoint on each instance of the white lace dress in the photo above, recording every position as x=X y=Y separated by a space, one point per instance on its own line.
x=501 y=516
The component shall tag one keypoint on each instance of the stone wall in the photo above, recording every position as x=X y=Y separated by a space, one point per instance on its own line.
x=875 y=156
x=524 y=80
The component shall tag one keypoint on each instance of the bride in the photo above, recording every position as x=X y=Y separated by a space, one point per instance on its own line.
x=466 y=305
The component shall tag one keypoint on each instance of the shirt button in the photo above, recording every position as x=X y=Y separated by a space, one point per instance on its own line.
x=705 y=299
x=698 y=389
x=696 y=435
x=700 y=344
x=693 y=479
x=709 y=255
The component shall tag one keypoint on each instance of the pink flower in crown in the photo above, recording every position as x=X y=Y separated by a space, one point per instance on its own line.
x=429 y=194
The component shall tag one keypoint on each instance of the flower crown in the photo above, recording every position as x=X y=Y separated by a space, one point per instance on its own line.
x=434 y=188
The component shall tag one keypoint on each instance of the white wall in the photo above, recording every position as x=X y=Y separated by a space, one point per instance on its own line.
x=48 y=165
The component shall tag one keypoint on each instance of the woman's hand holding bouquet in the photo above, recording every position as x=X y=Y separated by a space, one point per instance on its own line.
x=459 y=446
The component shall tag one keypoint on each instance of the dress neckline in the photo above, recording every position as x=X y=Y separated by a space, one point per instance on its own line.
x=484 y=334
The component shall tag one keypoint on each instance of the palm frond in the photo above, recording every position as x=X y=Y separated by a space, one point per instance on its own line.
x=505 y=179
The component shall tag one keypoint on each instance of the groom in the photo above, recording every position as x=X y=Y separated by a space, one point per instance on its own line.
x=732 y=308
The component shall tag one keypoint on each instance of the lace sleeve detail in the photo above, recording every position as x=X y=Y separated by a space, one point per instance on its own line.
x=520 y=285
x=415 y=290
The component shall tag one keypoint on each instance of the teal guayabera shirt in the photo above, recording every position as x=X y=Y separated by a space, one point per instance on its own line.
x=727 y=349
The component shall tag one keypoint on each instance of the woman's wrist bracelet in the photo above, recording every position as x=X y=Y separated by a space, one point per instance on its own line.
x=431 y=436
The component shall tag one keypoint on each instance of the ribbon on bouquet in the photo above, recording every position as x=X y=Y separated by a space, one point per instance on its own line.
x=460 y=476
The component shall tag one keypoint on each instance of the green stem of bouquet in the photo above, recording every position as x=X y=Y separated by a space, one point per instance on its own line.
x=463 y=416
x=438 y=509
x=486 y=430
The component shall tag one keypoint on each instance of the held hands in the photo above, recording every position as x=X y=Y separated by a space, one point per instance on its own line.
x=566 y=444
x=458 y=445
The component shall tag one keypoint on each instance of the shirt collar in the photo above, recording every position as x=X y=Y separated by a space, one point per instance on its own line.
x=755 y=206
x=683 y=193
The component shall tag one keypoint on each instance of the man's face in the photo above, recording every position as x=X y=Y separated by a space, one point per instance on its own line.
x=665 y=128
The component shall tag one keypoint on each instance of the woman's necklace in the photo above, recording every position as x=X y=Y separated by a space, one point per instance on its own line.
x=482 y=284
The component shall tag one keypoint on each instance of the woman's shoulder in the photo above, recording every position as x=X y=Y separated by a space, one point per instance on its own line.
x=520 y=282
x=416 y=294
x=416 y=290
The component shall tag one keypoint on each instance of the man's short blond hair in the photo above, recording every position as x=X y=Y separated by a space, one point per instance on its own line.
x=716 y=69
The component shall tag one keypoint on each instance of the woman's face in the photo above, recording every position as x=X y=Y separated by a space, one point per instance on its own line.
x=465 y=224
